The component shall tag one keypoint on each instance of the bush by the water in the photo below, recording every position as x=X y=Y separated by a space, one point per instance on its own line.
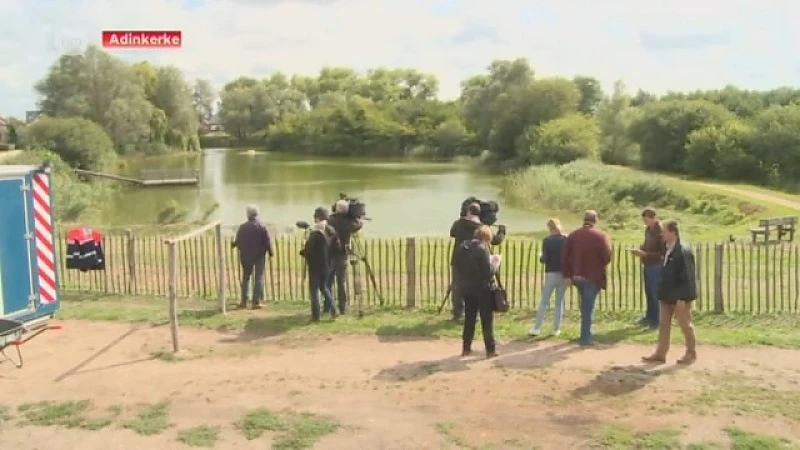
x=617 y=194
x=72 y=197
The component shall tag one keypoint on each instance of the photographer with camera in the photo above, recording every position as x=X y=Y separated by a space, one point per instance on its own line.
x=474 y=214
x=317 y=251
x=345 y=224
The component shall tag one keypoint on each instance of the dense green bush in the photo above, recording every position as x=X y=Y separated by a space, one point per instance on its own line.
x=72 y=197
x=79 y=142
x=617 y=194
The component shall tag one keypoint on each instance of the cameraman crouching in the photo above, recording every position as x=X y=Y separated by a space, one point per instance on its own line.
x=345 y=225
x=463 y=230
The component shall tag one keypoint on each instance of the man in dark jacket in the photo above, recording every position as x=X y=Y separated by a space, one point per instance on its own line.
x=316 y=252
x=254 y=243
x=676 y=292
x=651 y=253
x=463 y=230
x=345 y=227
x=586 y=254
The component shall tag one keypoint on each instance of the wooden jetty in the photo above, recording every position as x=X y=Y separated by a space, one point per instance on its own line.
x=152 y=177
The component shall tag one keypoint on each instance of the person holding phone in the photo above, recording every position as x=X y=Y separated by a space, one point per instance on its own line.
x=651 y=254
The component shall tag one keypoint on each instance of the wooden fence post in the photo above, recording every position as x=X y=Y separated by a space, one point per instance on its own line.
x=411 y=272
x=719 y=260
x=131 y=257
x=173 y=295
x=220 y=268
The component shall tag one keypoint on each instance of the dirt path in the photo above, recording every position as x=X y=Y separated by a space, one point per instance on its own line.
x=411 y=394
x=751 y=194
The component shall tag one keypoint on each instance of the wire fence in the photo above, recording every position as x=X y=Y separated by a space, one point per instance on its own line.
x=415 y=272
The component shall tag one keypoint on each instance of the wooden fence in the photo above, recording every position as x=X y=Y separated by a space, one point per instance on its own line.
x=415 y=272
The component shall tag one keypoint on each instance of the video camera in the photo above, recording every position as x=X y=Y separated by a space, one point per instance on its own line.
x=489 y=210
x=356 y=209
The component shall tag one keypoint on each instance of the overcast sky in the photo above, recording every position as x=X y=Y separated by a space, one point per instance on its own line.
x=681 y=45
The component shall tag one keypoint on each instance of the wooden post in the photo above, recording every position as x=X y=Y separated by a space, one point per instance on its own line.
x=411 y=273
x=131 y=262
x=173 y=295
x=220 y=268
x=719 y=254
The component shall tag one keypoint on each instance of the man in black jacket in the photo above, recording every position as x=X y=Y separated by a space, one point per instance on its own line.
x=254 y=244
x=463 y=230
x=345 y=227
x=316 y=251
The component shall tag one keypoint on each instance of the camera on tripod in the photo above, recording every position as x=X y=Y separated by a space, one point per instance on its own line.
x=356 y=209
x=489 y=210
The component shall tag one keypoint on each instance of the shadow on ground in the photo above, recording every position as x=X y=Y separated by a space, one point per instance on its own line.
x=257 y=328
x=533 y=358
x=425 y=331
x=419 y=370
x=621 y=380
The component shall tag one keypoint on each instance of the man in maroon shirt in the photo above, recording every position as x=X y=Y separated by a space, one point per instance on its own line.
x=586 y=254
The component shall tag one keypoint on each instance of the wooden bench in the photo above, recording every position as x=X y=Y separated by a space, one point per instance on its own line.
x=782 y=225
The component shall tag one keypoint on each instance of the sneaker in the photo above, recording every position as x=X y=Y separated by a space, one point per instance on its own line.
x=466 y=352
x=557 y=333
x=490 y=355
x=534 y=331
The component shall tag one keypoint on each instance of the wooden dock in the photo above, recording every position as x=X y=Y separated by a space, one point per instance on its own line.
x=152 y=177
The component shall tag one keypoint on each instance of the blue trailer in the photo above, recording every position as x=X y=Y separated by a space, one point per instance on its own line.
x=28 y=268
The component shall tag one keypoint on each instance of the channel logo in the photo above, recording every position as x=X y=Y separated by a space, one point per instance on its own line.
x=69 y=41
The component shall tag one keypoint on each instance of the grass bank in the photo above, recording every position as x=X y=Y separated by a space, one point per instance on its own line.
x=619 y=194
x=220 y=139
x=292 y=317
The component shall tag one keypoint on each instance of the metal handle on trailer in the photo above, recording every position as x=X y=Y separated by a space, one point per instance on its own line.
x=16 y=329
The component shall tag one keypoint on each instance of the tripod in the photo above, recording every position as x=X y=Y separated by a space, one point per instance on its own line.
x=356 y=255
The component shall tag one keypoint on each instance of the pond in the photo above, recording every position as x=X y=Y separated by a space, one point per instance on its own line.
x=403 y=198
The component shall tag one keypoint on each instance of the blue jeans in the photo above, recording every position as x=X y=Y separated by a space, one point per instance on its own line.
x=318 y=282
x=553 y=282
x=256 y=271
x=587 y=291
x=339 y=275
x=652 y=276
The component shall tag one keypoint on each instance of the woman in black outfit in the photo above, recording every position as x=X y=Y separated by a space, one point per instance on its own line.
x=474 y=274
x=676 y=291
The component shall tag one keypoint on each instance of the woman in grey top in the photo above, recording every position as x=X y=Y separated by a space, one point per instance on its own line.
x=553 y=280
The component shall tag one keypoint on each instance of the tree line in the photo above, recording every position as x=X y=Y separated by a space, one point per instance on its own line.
x=98 y=106
x=94 y=106
x=516 y=119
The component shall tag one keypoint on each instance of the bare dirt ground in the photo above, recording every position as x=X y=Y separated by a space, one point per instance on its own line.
x=398 y=394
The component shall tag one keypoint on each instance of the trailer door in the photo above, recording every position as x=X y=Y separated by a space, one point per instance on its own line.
x=16 y=275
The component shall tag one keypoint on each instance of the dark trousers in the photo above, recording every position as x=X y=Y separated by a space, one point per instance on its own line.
x=457 y=296
x=255 y=270
x=339 y=275
x=652 y=276
x=474 y=305
x=318 y=283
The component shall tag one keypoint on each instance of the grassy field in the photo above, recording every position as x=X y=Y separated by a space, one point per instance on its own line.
x=293 y=317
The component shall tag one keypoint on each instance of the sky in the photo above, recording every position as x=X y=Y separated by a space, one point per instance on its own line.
x=651 y=45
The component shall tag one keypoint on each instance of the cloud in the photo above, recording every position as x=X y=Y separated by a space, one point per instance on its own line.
x=681 y=45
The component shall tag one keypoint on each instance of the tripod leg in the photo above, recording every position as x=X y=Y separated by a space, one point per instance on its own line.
x=444 y=300
x=358 y=287
x=371 y=276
